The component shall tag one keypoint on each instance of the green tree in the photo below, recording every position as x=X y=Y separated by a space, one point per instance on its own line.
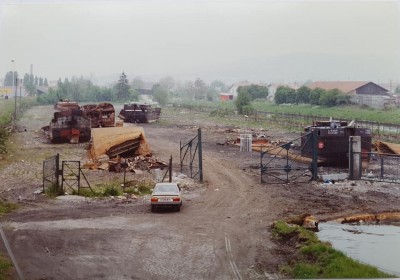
x=26 y=79
x=9 y=78
x=160 y=94
x=315 y=95
x=167 y=83
x=329 y=98
x=285 y=94
x=255 y=91
x=243 y=103
x=218 y=86
x=303 y=95
x=137 y=83
x=122 y=88
x=397 y=91
x=200 y=89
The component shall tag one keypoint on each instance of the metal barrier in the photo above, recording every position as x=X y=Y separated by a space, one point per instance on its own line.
x=70 y=176
x=381 y=167
x=284 y=164
x=191 y=159
x=50 y=174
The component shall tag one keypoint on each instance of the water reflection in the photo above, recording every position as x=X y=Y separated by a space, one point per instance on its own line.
x=377 y=245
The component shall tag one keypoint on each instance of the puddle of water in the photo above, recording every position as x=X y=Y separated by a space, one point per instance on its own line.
x=377 y=245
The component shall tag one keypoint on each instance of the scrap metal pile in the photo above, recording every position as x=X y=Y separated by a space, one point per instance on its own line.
x=139 y=113
x=121 y=148
x=69 y=124
x=136 y=164
x=387 y=148
x=101 y=115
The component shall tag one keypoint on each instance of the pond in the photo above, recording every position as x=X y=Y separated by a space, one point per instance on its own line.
x=374 y=244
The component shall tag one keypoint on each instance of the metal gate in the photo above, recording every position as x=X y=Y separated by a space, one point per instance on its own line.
x=191 y=158
x=50 y=174
x=285 y=163
x=380 y=167
x=71 y=176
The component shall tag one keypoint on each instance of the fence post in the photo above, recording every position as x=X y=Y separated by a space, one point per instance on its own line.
x=355 y=157
x=170 y=169
x=200 y=155
x=314 y=163
x=59 y=189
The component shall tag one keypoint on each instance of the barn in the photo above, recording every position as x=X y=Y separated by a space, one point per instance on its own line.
x=362 y=93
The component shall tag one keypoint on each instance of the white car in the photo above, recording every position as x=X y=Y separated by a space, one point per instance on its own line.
x=166 y=195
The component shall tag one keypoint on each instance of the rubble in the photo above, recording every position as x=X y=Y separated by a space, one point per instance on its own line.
x=136 y=164
x=101 y=115
x=387 y=148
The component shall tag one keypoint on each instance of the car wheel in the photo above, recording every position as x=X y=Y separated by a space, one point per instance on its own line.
x=178 y=208
x=153 y=208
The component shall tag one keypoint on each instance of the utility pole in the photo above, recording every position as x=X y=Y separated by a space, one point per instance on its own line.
x=15 y=103
x=20 y=94
x=15 y=94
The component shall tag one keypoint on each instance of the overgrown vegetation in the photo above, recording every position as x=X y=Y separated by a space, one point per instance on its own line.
x=345 y=112
x=7 y=207
x=312 y=258
x=3 y=138
x=7 y=108
x=5 y=265
x=114 y=188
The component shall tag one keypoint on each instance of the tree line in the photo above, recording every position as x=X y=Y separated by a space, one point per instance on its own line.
x=305 y=95
x=164 y=91
x=30 y=82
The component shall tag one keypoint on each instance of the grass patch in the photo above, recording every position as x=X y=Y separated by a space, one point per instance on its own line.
x=114 y=188
x=5 y=265
x=7 y=207
x=349 y=112
x=312 y=258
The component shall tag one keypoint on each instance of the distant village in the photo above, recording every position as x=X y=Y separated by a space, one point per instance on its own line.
x=364 y=93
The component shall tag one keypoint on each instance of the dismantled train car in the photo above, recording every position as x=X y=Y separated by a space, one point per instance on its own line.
x=101 y=115
x=69 y=124
x=139 y=113
x=333 y=141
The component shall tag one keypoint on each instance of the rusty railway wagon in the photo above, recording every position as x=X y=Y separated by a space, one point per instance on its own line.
x=333 y=141
x=139 y=113
x=69 y=124
x=101 y=115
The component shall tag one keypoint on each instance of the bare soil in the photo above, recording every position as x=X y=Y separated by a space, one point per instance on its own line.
x=222 y=231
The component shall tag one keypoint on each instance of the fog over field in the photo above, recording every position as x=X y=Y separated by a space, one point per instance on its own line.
x=231 y=40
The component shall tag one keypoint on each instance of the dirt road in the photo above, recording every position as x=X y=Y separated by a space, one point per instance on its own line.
x=222 y=231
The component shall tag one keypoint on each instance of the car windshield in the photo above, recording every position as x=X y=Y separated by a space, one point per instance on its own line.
x=166 y=189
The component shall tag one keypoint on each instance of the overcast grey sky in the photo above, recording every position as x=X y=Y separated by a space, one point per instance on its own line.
x=223 y=39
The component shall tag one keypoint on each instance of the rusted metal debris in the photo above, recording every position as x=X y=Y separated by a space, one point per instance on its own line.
x=370 y=218
x=101 y=115
x=69 y=124
x=139 y=113
x=387 y=148
x=134 y=164
x=271 y=147
x=333 y=141
x=118 y=141
x=129 y=146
